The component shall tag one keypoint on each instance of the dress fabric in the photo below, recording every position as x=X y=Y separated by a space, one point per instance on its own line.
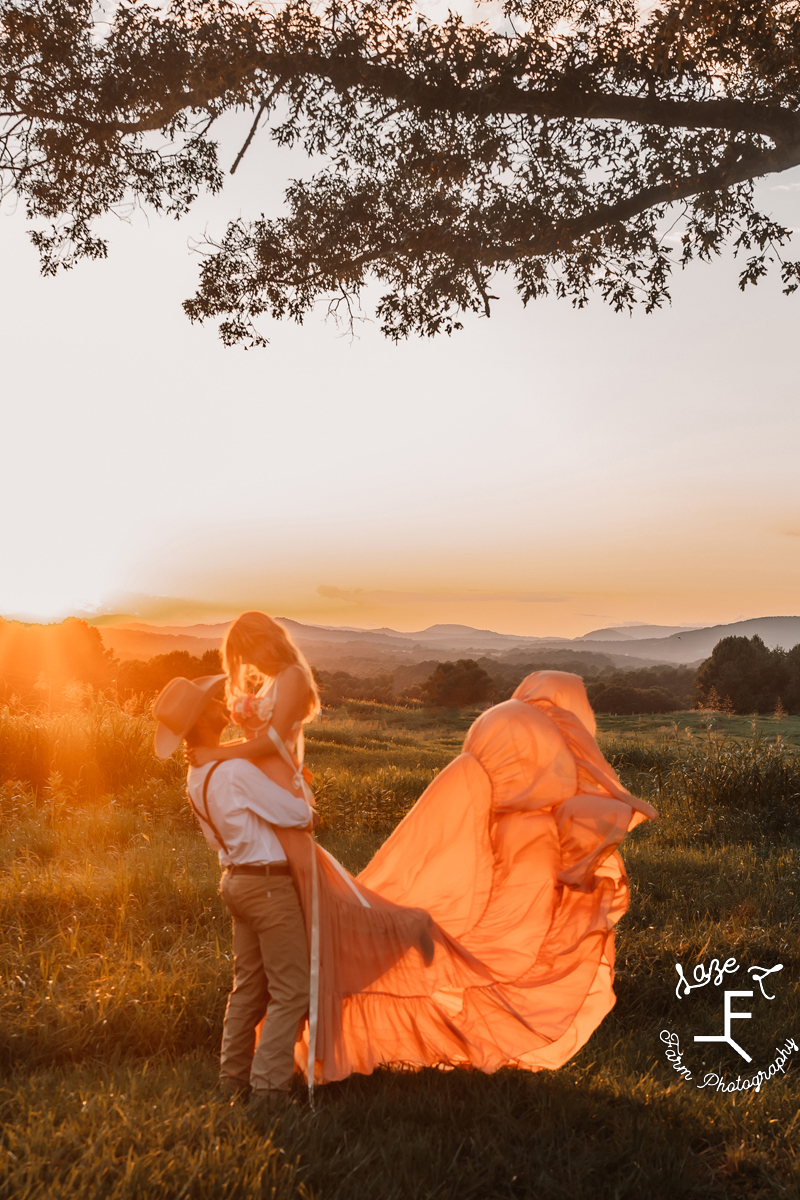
x=488 y=940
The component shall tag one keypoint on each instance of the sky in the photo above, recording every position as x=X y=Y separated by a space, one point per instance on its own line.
x=544 y=472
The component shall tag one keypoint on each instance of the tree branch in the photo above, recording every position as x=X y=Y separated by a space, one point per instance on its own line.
x=499 y=97
x=264 y=106
x=561 y=237
x=249 y=138
x=750 y=166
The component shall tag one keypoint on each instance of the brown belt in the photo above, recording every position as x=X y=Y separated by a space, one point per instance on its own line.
x=265 y=869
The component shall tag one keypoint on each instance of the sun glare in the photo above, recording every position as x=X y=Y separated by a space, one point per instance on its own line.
x=44 y=608
x=44 y=598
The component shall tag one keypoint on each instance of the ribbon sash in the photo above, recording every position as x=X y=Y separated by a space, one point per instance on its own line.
x=299 y=780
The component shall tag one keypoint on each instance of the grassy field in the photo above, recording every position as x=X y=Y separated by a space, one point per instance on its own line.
x=116 y=963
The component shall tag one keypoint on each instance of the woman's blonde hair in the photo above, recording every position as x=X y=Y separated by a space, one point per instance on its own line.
x=255 y=649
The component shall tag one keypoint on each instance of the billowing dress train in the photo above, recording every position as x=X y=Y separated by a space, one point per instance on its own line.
x=482 y=932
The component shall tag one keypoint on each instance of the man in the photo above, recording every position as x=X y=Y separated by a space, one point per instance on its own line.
x=237 y=807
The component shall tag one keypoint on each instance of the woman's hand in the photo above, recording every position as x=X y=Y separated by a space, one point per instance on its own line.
x=198 y=756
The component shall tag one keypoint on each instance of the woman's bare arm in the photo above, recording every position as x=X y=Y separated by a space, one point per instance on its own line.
x=291 y=703
x=257 y=747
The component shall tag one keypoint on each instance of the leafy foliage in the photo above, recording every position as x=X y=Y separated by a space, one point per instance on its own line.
x=509 y=670
x=444 y=154
x=145 y=678
x=457 y=684
x=675 y=686
x=750 y=677
x=646 y=690
x=621 y=699
x=37 y=661
x=678 y=681
x=336 y=686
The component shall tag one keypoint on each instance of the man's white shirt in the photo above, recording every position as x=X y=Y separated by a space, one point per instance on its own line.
x=244 y=805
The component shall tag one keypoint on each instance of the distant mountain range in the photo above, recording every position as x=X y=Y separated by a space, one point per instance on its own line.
x=634 y=633
x=692 y=645
x=364 y=650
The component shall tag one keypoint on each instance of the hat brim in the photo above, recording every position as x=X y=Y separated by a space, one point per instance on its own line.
x=166 y=740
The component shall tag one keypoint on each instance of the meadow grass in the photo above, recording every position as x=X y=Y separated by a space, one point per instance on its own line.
x=116 y=964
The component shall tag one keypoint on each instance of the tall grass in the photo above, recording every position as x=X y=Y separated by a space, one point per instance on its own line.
x=114 y=938
x=373 y=803
x=115 y=963
x=133 y=1133
x=743 y=788
x=99 y=749
x=715 y=786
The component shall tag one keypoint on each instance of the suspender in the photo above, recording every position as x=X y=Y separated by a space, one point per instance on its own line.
x=206 y=817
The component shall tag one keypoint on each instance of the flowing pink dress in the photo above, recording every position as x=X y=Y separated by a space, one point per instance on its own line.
x=488 y=939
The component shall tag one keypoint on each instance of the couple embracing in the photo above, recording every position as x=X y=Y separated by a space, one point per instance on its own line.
x=481 y=933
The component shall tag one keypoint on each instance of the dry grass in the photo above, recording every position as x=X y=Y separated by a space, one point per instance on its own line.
x=116 y=962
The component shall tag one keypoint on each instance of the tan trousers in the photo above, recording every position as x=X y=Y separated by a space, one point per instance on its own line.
x=270 y=975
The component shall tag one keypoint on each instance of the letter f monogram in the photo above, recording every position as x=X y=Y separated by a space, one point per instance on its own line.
x=729 y=1016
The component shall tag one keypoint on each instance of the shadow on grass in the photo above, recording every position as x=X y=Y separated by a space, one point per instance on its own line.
x=462 y=1134
x=156 y=1130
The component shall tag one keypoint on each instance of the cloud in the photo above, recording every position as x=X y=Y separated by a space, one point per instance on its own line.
x=360 y=596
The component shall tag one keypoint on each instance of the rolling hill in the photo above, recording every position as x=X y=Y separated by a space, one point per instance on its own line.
x=366 y=650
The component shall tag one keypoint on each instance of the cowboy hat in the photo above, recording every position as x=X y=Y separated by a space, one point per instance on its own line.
x=178 y=706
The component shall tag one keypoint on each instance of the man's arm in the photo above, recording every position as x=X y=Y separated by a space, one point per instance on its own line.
x=271 y=802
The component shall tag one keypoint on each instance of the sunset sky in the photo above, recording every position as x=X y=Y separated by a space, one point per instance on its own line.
x=544 y=472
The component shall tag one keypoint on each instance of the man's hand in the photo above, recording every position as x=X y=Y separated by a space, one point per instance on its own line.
x=198 y=756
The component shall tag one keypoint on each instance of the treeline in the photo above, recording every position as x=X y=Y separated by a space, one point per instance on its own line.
x=141 y=678
x=335 y=687
x=468 y=682
x=644 y=690
x=744 y=676
x=741 y=676
x=44 y=664
x=659 y=689
x=40 y=663
x=447 y=685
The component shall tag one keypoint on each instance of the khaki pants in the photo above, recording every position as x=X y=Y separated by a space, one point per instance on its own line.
x=270 y=976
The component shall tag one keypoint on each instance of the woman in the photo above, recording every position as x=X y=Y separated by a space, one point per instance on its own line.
x=256 y=651
x=481 y=933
